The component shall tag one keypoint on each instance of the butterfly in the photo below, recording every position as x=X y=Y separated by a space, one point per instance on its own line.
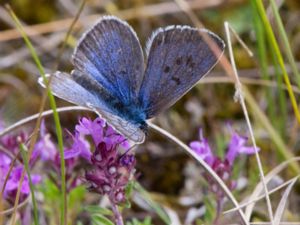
x=111 y=77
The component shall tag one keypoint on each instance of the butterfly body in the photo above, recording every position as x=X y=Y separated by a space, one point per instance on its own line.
x=111 y=78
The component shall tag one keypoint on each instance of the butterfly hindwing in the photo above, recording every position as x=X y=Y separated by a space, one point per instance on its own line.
x=178 y=57
x=63 y=86
x=110 y=52
x=130 y=130
x=80 y=89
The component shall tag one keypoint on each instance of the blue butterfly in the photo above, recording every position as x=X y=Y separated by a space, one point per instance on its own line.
x=111 y=77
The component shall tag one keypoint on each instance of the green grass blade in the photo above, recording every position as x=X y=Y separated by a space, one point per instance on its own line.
x=283 y=109
x=285 y=40
x=263 y=60
x=101 y=220
x=24 y=151
x=55 y=114
x=271 y=38
x=156 y=207
x=282 y=149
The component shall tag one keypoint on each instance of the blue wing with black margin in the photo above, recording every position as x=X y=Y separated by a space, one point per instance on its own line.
x=178 y=57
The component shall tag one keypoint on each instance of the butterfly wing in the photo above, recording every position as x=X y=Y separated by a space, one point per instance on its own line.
x=110 y=52
x=83 y=90
x=108 y=73
x=177 y=58
x=63 y=86
x=130 y=130
x=80 y=89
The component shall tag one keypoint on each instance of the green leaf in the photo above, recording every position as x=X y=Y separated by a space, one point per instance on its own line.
x=129 y=188
x=147 y=221
x=210 y=212
x=101 y=220
x=50 y=190
x=156 y=207
x=76 y=196
x=95 y=209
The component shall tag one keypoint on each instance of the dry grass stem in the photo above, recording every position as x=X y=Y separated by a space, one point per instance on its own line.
x=240 y=98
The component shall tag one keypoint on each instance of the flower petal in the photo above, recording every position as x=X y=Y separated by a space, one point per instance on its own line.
x=237 y=146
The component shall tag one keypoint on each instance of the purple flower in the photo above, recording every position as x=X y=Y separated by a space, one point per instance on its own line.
x=237 y=146
x=110 y=172
x=100 y=133
x=11 y=143
x=12 y=184
x=93 y=128
x=223 y=168
x=203 y=149
x=44 y=148
x=80 y=147
x=4 y=160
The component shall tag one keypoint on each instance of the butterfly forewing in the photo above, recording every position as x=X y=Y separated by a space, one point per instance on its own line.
x=178 y=58
x=111 y=53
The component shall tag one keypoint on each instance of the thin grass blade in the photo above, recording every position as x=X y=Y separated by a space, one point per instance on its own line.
x=24 y=152
x=285 y=40
x=271 y=37
x=281 y=206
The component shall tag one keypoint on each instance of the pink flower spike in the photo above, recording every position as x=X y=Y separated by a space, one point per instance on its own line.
x=93 y=128
x=14 y=179
x=83 y=126
x=80 y=147
x=4 y=160
x=237 y=146
x=203 y=149
x=44 y=148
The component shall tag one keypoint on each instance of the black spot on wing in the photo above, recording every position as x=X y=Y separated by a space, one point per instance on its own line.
x=176 y=80
x=178 y=61
x=167 y=69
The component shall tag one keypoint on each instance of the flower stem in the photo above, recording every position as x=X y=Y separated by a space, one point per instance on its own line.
x=218 y=211
x=24 y=152
x=117 y=214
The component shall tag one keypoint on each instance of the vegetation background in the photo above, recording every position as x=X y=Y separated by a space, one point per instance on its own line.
x=173 y=179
